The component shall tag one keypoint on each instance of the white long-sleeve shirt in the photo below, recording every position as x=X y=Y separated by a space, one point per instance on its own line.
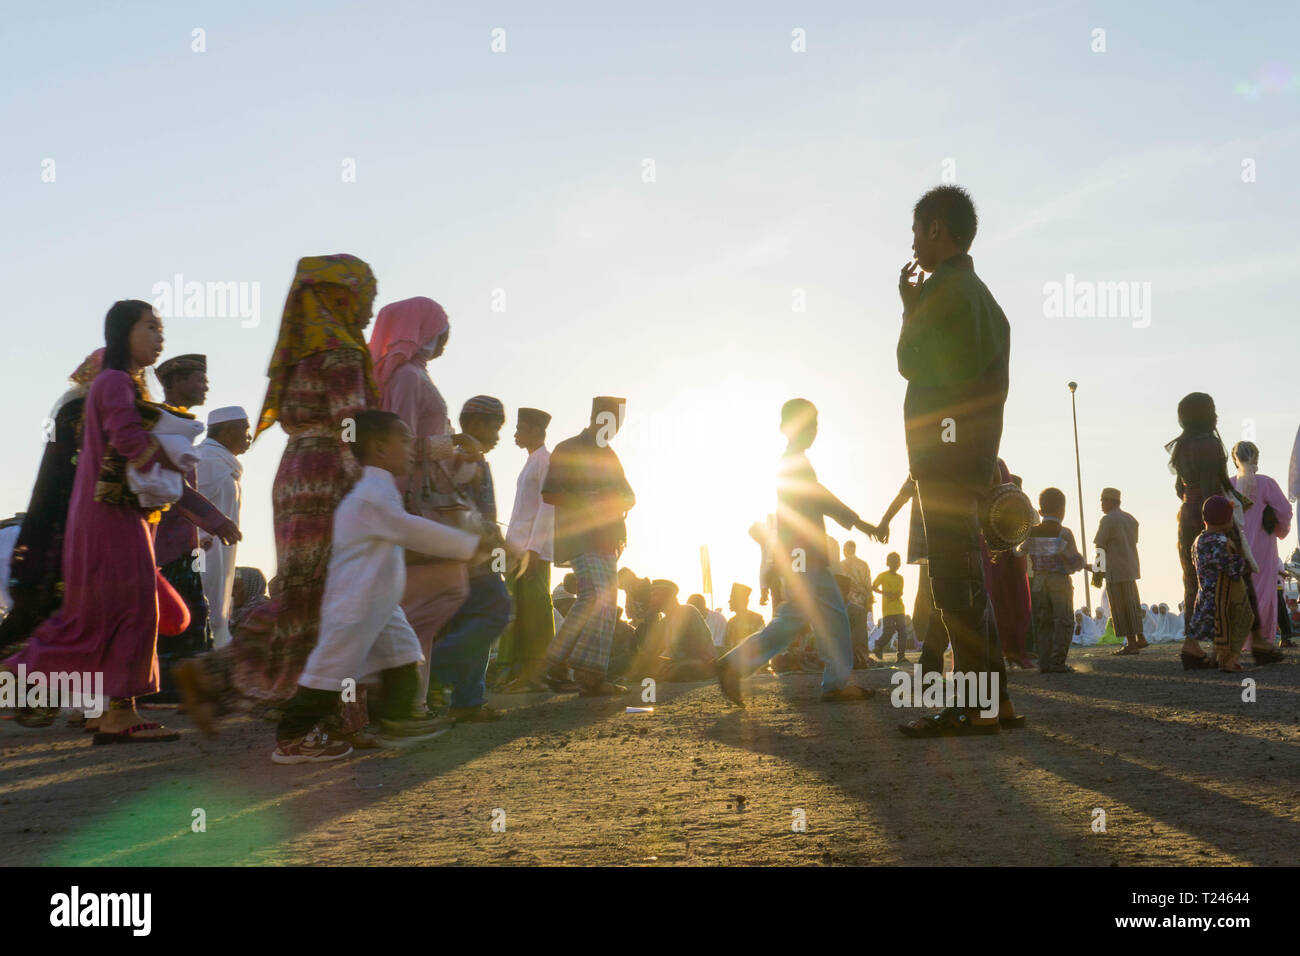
x=367 y=570
x=217 y=478
x=532 y=521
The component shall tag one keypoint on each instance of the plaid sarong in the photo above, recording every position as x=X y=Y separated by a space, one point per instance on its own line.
x=585 y=637
x=1125 y=608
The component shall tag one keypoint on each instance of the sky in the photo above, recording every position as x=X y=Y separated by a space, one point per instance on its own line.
x=703 y=210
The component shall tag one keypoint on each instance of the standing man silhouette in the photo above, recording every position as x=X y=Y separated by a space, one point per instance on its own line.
x=953 y=350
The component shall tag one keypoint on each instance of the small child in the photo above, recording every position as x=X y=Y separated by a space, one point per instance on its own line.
x=1222 y=613
x=363 y=631
x=889 y=585
x=1053 y=557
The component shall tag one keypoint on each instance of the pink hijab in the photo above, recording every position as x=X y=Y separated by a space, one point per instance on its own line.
x=401 y=329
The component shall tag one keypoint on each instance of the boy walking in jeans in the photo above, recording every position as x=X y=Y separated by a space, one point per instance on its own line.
x=1053 y=557
x=802 y=558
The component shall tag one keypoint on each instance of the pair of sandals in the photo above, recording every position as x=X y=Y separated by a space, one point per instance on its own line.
x=955 y=722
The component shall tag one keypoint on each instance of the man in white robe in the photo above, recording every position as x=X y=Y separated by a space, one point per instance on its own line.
x=218 y=479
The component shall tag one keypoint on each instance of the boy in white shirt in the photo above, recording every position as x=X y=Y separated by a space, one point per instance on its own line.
x=363 y=631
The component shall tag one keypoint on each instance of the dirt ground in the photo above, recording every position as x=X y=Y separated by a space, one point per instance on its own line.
x=1184 y=770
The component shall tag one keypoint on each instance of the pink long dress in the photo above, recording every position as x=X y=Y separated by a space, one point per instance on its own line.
x=436 y=589
x=109 y=618
x=1264 y=547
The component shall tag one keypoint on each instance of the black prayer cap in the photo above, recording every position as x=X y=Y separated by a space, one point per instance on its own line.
x=534 y=416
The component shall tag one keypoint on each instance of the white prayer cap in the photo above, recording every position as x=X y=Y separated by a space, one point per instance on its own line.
x=231 y=413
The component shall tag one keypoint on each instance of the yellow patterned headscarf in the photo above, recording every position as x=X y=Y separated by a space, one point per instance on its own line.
x=327 y=308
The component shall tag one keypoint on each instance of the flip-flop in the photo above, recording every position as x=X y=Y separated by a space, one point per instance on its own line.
x=947 y=723
x=1012 y=722
x=129 y=735
x=1127 y=650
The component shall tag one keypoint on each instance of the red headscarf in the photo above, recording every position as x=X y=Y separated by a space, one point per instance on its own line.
x=402 y=329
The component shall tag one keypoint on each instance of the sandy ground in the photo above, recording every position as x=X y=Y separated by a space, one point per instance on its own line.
x=1185 y=771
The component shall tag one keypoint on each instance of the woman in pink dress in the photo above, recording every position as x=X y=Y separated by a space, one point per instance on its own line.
x=115 y=601
x=408 y=334
x=1264 y=493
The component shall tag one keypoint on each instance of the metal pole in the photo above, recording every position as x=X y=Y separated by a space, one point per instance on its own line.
x=1078 y=475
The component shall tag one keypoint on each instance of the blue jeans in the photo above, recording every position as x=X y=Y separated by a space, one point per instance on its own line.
x=460 y=655
x=813 y=598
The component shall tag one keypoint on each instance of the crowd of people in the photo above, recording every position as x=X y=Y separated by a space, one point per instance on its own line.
x=398 y=602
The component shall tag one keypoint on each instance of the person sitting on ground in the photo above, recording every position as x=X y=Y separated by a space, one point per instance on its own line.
x=679 y=646
x=717 y=624
x=624 y=648
x=744 y=621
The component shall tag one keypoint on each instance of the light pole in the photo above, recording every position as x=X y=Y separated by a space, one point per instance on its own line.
x=1078 y=475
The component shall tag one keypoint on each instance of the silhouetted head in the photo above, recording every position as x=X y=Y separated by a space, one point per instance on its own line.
x=530 y=431
x=1196 y=413
x=943 y=225
x=663 y=595
x=799 y=422
x=1051 y=503
x=739 y=599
